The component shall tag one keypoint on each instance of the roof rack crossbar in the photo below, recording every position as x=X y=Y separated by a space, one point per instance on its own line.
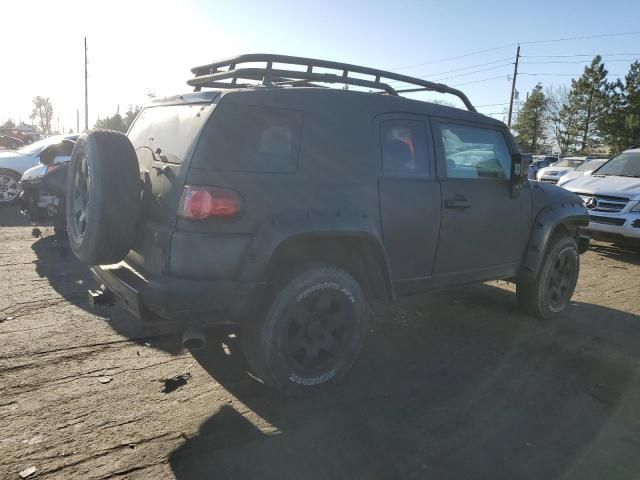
x=261 y=74
x=210 y=75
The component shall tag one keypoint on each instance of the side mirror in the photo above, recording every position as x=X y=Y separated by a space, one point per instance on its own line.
x=519 y=166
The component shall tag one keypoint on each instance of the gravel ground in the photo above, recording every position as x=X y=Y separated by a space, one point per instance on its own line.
x=452 y=385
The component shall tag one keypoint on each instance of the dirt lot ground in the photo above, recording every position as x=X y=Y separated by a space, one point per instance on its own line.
x=454 y=385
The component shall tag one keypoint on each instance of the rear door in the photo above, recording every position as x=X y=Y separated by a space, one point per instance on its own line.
x=483 y=230
x=409 y=199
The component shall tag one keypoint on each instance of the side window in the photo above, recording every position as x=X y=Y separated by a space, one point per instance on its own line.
x=473 y=152
x=250 y=138
x=404 y=147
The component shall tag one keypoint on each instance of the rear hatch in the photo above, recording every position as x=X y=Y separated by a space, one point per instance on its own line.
x=164 y=137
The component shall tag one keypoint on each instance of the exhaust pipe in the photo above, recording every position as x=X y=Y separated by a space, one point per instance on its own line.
x=194 y=338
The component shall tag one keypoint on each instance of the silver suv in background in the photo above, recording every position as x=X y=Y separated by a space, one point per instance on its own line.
x=553 y=172
x=612 y=197
x=587 y=168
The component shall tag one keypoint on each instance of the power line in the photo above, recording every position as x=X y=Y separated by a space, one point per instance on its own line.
x=479 y=81
x=471 y=73
x=530 y=42
x=579 y=61
x=466 y=68
x=581 y=55
x=491 y=105
x=454 y=58
x=584 y=37
x=561 y=74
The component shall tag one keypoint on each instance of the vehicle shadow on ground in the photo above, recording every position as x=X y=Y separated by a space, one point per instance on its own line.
x=10 y=216
x=71 y=279
x=618 y=252
x=456 y=385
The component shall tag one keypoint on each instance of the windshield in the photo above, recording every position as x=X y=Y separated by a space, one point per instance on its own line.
x=590 y=165
x=37 y=147
x=168 y=131
x=627 y=164
x=569 y=162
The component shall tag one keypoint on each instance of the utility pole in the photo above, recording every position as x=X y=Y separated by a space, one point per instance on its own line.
x=513 y=85
x=86 y=89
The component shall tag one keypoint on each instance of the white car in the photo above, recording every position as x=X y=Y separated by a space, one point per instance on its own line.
x=553 y=173
x=14 y=163
x=612 y=197
x=587 y=168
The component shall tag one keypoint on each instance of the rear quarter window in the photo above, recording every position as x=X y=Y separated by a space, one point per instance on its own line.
x=250 y=138
x=169 y=131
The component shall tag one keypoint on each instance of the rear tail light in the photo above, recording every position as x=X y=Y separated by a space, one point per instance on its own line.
x=198 y=203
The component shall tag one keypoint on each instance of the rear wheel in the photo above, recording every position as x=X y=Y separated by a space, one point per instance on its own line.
x=551 y=291
x=312 y=331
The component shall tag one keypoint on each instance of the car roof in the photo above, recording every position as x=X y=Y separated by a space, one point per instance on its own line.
x=375 y=103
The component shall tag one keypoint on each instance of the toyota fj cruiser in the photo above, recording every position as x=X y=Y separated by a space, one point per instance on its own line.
x=273 y=203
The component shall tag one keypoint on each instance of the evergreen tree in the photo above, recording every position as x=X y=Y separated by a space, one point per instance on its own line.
x=532 y=124
x=620 y=123
x=585 y=105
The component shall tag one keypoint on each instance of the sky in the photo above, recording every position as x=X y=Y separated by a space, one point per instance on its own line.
x=140 y=47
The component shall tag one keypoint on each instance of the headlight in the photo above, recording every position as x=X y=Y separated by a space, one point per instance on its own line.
x=37 y=172
x=636 y=207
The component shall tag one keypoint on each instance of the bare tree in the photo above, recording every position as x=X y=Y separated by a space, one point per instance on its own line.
x=43 y=112
x=560 y=131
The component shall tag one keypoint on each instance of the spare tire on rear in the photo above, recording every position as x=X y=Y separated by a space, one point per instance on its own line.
x=103 y=197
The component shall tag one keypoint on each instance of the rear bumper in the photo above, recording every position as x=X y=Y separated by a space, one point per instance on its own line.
x=169 y=298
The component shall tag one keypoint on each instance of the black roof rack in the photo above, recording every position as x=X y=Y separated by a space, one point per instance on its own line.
x=213 y=75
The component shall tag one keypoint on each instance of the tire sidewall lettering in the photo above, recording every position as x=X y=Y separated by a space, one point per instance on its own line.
x=330 y=285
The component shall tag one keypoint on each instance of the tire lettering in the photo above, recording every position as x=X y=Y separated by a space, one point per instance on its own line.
x=312 y=381
x=320 y=286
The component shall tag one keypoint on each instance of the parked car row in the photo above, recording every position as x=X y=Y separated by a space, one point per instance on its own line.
x=611 y=193
x=9 y=142
x=26 y=137
x=14 y=163
x=610 y=189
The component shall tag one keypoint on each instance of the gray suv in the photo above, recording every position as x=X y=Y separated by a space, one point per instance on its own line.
x=266 y=201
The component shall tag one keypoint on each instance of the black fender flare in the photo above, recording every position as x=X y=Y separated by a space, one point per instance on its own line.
x=277 y=231
x=570 y=213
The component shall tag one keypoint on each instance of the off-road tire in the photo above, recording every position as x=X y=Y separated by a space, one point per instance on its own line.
x=266 y=342
x=540 y=297
x=112 y=198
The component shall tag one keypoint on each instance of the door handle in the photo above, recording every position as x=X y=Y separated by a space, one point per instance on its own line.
x=457 y=203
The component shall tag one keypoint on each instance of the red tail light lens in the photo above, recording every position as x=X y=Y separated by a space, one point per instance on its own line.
x=198 y=203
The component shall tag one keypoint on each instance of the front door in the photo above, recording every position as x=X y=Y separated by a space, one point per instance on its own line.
x=409 y=199
x=483 y=230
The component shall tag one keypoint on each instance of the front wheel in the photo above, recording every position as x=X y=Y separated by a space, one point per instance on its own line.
x=9 y=187
x=551 y=291
x=313 y=331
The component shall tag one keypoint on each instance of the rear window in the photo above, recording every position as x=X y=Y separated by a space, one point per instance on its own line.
x=250 y=138
x=168 y=131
